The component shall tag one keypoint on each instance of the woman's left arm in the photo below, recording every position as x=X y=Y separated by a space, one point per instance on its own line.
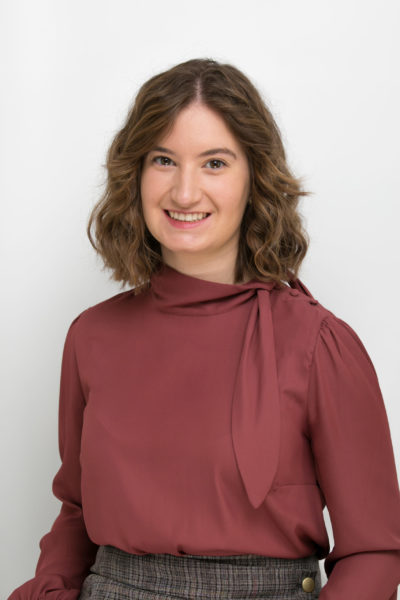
x=355 y=467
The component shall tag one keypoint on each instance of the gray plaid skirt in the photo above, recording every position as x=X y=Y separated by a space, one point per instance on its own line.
x=118 y=575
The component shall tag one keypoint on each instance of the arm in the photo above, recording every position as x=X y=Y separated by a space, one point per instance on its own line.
x=355 y=467
x=67 y=553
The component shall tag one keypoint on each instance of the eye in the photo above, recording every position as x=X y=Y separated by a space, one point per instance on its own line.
x=165 y=161
x=216 y=160
x=162 y=158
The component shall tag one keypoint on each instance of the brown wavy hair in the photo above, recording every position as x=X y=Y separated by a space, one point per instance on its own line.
x=272 y=240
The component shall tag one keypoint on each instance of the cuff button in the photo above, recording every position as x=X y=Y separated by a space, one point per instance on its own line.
x=308 y=584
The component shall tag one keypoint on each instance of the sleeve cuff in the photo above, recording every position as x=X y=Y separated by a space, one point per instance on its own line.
x=366 y=576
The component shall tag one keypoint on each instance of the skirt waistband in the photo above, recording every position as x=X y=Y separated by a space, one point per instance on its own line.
x=194 y=577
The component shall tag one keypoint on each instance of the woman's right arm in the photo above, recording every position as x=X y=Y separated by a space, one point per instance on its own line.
x=67 y=552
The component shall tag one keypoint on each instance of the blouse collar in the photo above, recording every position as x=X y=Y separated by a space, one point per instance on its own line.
x=176 y=292
x=255 y=417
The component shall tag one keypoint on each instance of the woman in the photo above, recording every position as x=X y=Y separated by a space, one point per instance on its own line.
x=209 y=414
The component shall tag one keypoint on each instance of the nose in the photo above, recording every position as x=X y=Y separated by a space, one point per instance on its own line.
x=185 y=190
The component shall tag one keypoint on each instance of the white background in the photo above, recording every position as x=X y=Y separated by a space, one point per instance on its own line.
x=69 y=71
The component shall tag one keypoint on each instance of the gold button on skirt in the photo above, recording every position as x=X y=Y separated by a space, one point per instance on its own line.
x=308 y=584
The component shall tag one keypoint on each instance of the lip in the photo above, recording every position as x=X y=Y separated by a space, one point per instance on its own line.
x=186 y=212
x=186 y=224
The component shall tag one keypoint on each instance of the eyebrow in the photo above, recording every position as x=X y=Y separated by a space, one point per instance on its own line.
x=205 y=153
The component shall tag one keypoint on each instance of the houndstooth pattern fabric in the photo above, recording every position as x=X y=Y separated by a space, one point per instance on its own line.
x=118 y=575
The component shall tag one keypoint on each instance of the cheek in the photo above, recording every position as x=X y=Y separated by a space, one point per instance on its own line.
x=233 y=189
x=145 y=185
x=150 y=190
x=233 y=198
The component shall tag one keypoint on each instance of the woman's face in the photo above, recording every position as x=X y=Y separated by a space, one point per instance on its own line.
x=198 y=168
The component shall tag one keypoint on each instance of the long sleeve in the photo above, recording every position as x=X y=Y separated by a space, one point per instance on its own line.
x=355 y=467
x=66 y=550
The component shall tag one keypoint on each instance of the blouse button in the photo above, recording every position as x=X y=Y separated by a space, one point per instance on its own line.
x=308 y=584
x=294 y=292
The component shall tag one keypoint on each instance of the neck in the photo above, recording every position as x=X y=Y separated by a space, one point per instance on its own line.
x=215 y=271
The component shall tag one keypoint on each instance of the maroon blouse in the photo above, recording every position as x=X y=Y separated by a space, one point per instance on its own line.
x=217 y=419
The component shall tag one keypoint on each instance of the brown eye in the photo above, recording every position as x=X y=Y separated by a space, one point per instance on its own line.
x=214 y=161
x=162 y=159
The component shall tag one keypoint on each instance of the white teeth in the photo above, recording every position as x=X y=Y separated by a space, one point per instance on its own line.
x=183 y=217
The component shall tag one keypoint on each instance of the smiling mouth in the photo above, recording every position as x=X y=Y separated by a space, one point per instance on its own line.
x=186 y=216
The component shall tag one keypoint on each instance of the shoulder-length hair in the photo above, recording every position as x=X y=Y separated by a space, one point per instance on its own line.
x=272 y=240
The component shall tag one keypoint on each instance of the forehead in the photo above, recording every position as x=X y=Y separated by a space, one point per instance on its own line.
x=197 y=125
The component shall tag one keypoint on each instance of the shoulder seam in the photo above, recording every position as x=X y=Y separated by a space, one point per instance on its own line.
x=317 y=338
x=72 y=333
